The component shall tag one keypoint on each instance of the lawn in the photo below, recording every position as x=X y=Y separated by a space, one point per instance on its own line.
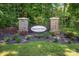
x=39 y=48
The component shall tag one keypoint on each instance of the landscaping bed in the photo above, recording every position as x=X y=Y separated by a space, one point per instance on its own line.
x=63 y=37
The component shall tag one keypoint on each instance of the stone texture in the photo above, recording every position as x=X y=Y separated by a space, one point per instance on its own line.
x=23 y=24
x=54 y=24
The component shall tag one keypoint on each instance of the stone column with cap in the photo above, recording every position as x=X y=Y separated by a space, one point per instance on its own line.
x=23 y=25
x=54 y=24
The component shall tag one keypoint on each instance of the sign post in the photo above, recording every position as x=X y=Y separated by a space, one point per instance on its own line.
x=54 y=24
x=23 y=25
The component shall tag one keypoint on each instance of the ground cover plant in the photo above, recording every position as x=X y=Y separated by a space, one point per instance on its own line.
x=39 y=48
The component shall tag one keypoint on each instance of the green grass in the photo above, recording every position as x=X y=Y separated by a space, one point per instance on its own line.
x=39 y=48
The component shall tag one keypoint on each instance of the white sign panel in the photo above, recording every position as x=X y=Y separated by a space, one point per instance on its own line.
x=38 y=28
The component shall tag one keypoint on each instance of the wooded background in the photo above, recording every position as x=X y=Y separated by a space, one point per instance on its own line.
x=39 y=13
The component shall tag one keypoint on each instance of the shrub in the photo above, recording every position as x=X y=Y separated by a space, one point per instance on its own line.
x=55 y=39
x=71 y=37
x=15 y=37
x=69 y=34
x=51 y=33
x=77 y=25
x=18 y=40
x=28 y=37
x=6 y=39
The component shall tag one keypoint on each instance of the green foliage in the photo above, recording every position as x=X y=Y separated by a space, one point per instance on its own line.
x=39 y=49
x=76 y=25
x=37 y=13
x=6 y=39
x=8 y=15
x=51 y=33
x=18 y=40
x=70 y=34
x=42 y=35
x=73 y=9
x=28 y=36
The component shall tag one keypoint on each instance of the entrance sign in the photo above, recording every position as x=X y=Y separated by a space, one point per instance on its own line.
x=54 y=25
x=38 y=28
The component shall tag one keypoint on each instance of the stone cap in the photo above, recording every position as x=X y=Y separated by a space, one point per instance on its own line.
x=54 y=18
x=23 y=18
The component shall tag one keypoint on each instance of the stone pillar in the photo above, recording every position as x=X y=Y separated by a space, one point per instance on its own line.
x=23 y=25
x=54 y=24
